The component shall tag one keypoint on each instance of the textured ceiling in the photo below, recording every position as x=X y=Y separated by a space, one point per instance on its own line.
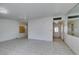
x=18 y=11
x=74 y=10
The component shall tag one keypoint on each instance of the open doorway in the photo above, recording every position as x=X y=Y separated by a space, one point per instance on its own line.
x=23 y=30
x=58 y=29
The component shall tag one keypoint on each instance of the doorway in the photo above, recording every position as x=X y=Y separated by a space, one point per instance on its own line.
x=58 y=29
x=23 y=30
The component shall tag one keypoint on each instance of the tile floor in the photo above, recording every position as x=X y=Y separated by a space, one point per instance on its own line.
x=60 y=48
x=34 y=47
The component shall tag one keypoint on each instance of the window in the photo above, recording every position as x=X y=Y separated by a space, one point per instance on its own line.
x=56 y=29
x=58 y=18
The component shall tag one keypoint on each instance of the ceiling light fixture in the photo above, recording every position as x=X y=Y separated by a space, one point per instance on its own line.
x=3 y=10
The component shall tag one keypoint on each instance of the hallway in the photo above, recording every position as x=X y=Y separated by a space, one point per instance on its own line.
x=34 y=47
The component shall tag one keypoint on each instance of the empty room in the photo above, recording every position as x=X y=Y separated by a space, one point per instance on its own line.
x=39 y=28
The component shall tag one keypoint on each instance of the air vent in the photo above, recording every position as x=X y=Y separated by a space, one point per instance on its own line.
x=58 y=18
x=76 y=16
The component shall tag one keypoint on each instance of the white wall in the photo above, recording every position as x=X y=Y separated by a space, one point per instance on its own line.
x=72 y=42
x=8 y=29
x=41 y=29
